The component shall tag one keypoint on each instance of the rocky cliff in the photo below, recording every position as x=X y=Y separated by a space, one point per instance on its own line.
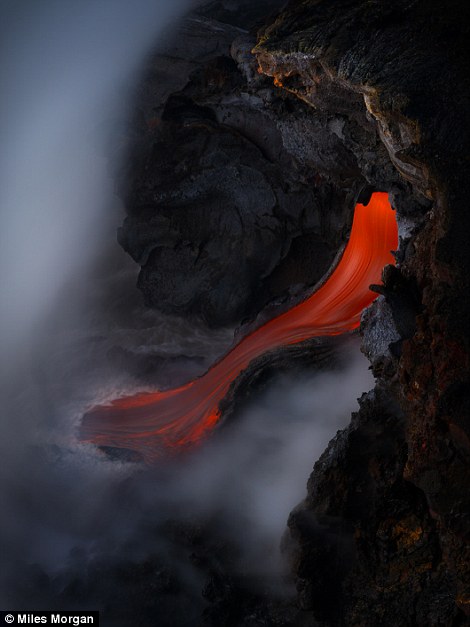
x=243 y=171
x=237 y=196
x=391 y=492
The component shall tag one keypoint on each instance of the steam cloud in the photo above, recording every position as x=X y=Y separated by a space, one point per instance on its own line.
x=65 y=76
x=67 y=69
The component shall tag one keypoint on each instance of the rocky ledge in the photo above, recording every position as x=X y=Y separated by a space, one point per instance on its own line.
x=386 y=520
x=242 y=175
x=237 y=195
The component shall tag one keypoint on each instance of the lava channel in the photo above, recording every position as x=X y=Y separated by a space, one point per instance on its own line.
x=152 y=423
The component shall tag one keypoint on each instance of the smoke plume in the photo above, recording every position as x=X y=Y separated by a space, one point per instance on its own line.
x=68 y=302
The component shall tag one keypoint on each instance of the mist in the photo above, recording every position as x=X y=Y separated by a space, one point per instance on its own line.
x=67 y=72
x=255 y=472
x=69 y=306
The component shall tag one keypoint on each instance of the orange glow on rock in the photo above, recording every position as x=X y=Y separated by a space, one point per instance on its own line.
x=151 y=423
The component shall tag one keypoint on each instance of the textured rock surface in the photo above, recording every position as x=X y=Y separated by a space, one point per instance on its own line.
x=237 y=193
x=390 y=495
x=240 y=191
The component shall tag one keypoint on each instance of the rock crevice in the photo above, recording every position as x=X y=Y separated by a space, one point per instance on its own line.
x=408 y=518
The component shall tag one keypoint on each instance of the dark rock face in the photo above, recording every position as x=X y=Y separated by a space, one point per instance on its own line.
x=367 y=546
x=207 y=230
x=241 y=192
x=238 y=193
x=206 y=247
x=390 y=494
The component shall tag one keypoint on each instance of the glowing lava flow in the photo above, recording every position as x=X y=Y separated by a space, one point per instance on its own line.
x=150 y=423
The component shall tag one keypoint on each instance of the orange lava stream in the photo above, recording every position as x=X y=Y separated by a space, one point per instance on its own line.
x=151 y=423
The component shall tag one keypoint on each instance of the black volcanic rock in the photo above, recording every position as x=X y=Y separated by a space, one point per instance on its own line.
x=370 y=520
x=237 y=192
x=399 y=498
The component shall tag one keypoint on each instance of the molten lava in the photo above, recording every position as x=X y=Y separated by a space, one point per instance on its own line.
x=153 y=422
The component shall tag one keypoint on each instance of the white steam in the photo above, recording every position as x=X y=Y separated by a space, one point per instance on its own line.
x=256 y=473
x=66 y=76
x=64 y=79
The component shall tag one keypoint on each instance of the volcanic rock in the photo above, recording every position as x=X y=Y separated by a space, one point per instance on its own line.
x=242 y=176
x=236 y=191
x=393 y=488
